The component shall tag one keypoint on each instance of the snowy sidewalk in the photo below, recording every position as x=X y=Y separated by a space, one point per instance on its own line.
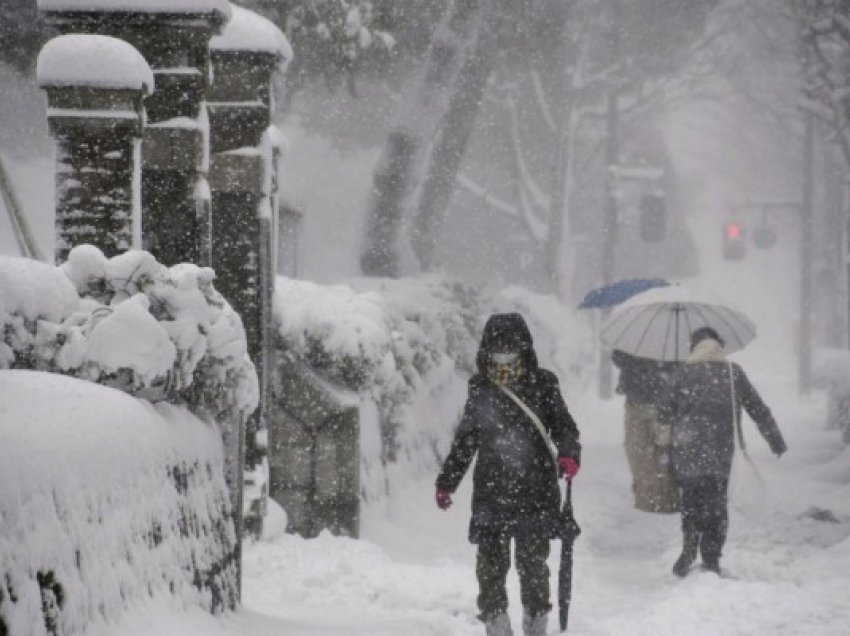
x=412 y=574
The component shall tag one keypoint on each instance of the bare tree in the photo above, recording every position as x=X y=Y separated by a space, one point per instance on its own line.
x=825 y=34
x=459 y=50
x=557 y=65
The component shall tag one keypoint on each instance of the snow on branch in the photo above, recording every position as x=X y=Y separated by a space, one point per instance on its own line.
x=526 y=178
x=487 y=197
x=543 y=102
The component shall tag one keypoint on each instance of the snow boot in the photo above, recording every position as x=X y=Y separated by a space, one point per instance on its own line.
x=711 y=564
x=690 y=548
x=498 y=625
x=534 y=625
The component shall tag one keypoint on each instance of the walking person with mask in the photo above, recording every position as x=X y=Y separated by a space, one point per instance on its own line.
x=703 y=408
x=515 y=479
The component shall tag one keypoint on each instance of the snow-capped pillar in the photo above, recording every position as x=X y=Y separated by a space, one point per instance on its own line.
x=95 y=86
x=173 y=37
x=243 y=180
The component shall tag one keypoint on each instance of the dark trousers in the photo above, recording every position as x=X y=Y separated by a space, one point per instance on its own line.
x=493 y=562
x=705 y=513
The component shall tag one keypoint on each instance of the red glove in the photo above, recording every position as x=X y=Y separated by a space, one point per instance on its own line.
x=568 y=467
x=444 y=499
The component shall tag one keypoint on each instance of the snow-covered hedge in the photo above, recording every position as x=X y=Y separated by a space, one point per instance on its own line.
x=106 y=502
x=405 y=347
x=107 y=499
x=130 y=323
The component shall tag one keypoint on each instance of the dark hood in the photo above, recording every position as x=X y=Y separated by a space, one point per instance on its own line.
x=506 y=332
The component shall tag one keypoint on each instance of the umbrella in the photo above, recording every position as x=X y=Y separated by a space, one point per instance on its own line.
x=565 y=573
x=657 y=323
x=615 y=293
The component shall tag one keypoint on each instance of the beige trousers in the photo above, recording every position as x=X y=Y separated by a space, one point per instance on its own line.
x=647 y=450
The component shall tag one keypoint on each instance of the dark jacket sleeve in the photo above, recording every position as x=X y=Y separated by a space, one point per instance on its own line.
x=558 y=421
x=759 y=412
x=668 y=403
x=464 y=446
x=641 y=379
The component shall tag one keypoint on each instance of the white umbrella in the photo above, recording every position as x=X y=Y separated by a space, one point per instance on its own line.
x=658 y=323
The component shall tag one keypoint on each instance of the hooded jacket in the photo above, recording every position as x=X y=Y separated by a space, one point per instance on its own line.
x=515 y=488
x=698 y=406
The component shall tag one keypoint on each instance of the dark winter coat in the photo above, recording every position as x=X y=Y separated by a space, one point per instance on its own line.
x=698 y=407
x=515 y=489
x=641 y=379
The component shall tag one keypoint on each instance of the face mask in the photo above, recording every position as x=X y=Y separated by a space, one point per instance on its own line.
x=504 y=367
x=504 y=358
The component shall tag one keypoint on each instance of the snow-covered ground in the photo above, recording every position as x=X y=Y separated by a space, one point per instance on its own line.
x=786 y=565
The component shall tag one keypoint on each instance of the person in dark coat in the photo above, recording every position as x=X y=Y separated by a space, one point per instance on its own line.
x=702 y=406
x=644 y=383
x=515 y=489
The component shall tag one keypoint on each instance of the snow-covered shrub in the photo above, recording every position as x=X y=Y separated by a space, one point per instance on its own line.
x=106 y=502
x=162 y=334
x=131 y=323
x=406 y=347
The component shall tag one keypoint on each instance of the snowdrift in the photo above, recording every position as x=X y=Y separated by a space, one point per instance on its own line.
x=106 y=501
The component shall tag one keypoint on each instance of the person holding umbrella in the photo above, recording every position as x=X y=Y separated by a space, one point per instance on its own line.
x=514 y=415
x=703 y=407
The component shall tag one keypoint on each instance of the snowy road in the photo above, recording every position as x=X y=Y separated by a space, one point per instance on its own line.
x=412 y=574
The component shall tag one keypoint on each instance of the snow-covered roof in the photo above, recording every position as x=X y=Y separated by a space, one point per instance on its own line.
x=221 y=7
x=249 y=31
x=93 y=60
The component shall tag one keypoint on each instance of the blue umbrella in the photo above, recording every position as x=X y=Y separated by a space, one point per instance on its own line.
x=616 y=293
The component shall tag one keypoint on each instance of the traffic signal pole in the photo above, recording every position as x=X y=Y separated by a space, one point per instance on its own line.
x=806 y=214
x=611 y=220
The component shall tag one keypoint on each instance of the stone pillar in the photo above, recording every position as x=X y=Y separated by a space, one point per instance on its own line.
x=174 y=39
x=243 y=180
x=95 y=114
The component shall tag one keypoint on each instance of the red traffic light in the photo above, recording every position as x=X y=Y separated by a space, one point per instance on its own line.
x=734 y=246
x=734 y=230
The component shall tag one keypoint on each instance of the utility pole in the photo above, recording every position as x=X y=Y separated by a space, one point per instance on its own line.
x=806 y=214
x=611 y=220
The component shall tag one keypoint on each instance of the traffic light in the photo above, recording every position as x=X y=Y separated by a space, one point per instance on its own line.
x=764 y=236
x=734 y=243
x=653 y=217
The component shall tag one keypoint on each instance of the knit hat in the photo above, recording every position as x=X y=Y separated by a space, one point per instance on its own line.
x=705 y=333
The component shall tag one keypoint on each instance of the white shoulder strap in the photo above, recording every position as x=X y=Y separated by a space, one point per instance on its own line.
x=550 y=445
x=740 y=430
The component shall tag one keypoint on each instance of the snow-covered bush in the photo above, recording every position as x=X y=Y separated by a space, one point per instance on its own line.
x=399 y=345
x=131 y=323
x=106 y=502
x=156 y=510
x=405 y=348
